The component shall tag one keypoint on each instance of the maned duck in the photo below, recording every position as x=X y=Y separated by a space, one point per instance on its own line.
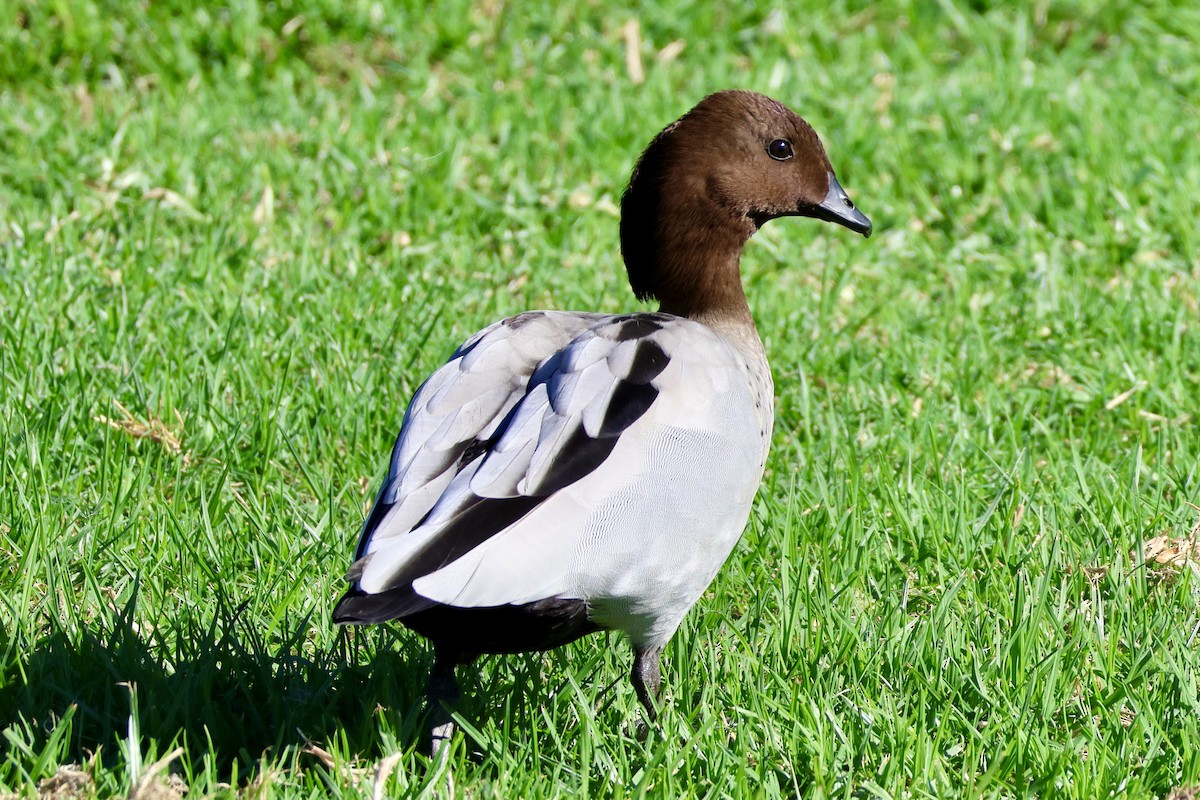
x=567 y=472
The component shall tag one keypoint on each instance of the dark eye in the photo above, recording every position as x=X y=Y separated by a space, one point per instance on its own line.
x=780 y=150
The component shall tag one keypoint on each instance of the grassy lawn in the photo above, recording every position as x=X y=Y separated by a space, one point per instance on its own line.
x=234 y=238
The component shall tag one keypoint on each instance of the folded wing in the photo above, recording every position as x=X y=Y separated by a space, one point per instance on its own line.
x=486 y=443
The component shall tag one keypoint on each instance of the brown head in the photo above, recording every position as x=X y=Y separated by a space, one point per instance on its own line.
x=706 y=184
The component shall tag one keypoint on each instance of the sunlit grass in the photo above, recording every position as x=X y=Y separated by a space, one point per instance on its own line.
x=234 y=239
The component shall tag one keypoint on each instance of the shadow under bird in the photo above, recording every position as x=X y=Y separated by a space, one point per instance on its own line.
x=564 y=472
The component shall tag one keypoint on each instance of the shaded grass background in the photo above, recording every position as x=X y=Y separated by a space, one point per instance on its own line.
x=271 y=221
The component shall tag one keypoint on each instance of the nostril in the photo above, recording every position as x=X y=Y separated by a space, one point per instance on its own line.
x=849 y=203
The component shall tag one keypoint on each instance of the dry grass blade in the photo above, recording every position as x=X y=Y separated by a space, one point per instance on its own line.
x=67 y=783
x=264 y=212
x=1151 y=416
x=151 y=787
x=1168 y=552
x=174 y=200
x=1123 y=396
x=383 y=771
x=1018 y=515
x=321 y=754
x=352 y=775
x=672 y=51
x=154 y=429
x=632 y=32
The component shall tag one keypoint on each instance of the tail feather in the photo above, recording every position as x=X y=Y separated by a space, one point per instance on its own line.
x=359 y=608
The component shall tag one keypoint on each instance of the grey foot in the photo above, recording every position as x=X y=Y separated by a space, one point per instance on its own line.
x=646 y=677
x=443 y=696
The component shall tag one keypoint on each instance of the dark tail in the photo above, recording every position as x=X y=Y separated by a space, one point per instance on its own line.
x=358 y=608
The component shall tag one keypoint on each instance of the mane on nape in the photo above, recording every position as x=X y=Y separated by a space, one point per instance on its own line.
x=640 y=210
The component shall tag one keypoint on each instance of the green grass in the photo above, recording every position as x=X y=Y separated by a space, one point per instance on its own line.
x=260 y=226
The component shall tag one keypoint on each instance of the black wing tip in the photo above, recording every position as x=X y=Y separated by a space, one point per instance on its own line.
x=348 y=609
x=359 y=608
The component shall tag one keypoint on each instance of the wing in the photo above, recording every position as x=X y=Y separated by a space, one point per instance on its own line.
x=500 y=530
x=457 y=411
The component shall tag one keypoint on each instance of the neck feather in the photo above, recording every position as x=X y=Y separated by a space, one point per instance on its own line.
x=699 y=265
x=684 y=250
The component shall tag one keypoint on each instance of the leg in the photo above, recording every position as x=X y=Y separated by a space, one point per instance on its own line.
x=647 y=678
x=442 y=695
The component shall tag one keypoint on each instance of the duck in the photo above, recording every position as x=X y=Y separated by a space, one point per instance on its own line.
x=566 y=473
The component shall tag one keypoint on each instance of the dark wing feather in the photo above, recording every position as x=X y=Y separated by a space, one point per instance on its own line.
x=453 y=417
x=577 y=404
